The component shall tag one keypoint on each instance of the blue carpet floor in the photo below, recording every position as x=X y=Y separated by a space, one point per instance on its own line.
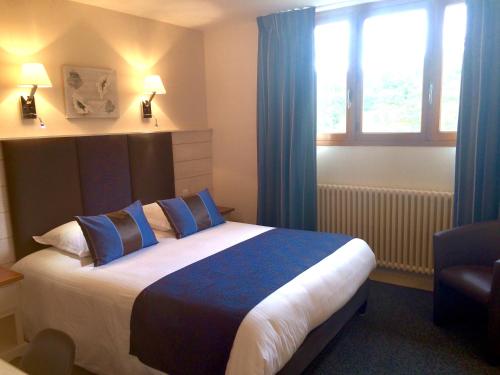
x=397 y=336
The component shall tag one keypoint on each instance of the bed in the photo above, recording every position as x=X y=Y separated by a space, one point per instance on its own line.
x=283 y=333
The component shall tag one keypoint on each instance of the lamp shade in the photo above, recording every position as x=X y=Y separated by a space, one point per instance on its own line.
x=34 y=74
x=153 y=84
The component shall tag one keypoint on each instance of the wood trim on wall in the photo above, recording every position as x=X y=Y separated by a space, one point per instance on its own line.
x=192 y=161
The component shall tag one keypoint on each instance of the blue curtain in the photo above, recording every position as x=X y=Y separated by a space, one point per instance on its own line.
x=286 y=120
x=477 y=174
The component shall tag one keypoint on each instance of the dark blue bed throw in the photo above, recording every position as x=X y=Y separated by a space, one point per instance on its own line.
x=186 y=322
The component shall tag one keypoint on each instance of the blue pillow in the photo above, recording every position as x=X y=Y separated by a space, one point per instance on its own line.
x=116 y=234
x=192 y=214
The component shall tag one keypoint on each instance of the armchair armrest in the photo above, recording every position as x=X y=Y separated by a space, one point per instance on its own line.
x=474 y=244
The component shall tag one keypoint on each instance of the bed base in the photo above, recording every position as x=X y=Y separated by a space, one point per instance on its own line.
x=319 y=338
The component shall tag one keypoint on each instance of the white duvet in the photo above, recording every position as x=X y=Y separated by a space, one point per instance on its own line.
x=93 y=305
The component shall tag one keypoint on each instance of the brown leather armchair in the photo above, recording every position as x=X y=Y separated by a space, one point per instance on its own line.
x=467 y=262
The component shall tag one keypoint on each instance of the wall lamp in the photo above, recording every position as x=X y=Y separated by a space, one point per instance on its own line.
x=33 y=75
x=152 y=86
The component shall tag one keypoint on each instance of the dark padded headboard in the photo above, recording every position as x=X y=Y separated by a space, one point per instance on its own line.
x=50 y=180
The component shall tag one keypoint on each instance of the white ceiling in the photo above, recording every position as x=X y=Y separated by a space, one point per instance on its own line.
x=204 y=13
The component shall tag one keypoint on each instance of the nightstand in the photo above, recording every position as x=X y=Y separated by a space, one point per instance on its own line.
x=225 y=210
x=11 y=332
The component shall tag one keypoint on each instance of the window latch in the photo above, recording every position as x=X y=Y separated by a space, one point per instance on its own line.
x=348 y=99
x=431 y=90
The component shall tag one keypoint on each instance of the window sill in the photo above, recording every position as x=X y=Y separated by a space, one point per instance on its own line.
x=404 y=140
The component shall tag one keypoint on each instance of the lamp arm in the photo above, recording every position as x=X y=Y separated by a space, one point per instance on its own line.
x=151 y=97
x=32 y=93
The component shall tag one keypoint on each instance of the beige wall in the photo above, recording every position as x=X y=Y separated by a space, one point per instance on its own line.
x=419 y=168
x=231 y=71
x=58 y=32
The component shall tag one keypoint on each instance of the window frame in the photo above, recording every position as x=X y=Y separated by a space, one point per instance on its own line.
x=430 y=134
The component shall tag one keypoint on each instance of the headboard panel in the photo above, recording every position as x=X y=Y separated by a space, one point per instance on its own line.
x=50 y=180
x=104 y=162
x=43 y=187
x=151 y=166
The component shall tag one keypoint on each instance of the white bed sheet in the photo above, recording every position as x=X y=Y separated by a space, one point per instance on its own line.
x=93 y=305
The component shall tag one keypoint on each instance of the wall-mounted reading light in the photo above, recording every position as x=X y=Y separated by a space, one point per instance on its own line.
x=33 y=75
x=152 y=86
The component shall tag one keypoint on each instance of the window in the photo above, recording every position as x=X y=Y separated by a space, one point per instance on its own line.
x=393 y=70
x=453 y=50
x=389 y=73
x=332 y=62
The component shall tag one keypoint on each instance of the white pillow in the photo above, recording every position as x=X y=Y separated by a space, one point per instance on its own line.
x=68 y=237
x=156 y=217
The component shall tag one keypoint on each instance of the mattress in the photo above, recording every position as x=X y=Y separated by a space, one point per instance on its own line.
x=93 y=305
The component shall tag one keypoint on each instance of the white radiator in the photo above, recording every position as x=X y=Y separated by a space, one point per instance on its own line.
x=397 y=224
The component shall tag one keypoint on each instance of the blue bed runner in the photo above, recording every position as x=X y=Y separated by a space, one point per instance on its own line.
x=186 y=322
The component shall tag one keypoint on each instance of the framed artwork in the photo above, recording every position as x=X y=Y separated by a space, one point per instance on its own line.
x=90 y=92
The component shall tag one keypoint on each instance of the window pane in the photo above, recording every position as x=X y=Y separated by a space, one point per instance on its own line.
x=393 y=62
x=332 y=62
x=454 y=25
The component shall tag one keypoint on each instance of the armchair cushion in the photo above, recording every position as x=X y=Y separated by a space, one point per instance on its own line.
x=473 y=281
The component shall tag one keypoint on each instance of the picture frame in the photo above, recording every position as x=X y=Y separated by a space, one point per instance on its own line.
x=90 y=92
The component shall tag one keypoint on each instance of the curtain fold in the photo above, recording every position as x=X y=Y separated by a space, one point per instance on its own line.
x=477 y=172
x=286 y=120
